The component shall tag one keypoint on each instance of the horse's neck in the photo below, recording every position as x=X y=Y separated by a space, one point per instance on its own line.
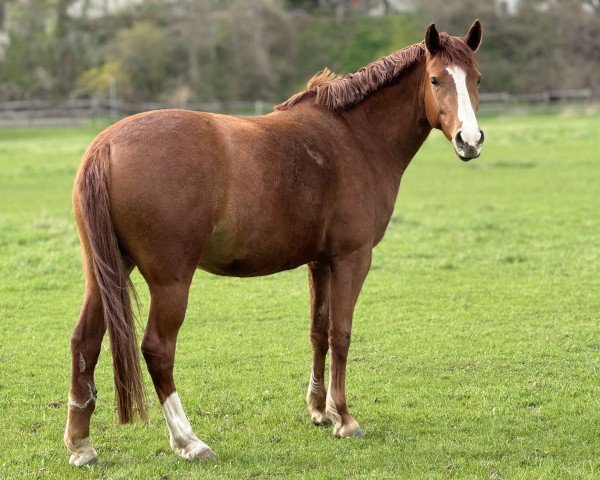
x=394 y=118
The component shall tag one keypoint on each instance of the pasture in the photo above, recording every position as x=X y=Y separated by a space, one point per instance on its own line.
x=476 y=340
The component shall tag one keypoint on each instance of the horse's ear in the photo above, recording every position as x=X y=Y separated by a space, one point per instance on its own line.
x=432 y=39
x=473 y=38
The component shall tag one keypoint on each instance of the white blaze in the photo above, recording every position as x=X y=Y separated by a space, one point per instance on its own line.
x=470 y=130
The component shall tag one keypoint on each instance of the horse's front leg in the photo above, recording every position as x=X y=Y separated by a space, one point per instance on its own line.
x=348 y=275
x=319 y=282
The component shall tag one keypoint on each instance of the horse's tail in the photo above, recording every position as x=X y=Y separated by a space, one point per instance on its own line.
x=112 y=276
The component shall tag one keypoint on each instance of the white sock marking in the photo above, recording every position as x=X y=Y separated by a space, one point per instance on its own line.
x=470 y=130
x=314 y=386
x=331 y=409
x=315 y=393
x=183 y=439
x=179 y=425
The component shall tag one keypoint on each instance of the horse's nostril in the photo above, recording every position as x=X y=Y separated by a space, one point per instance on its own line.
x=481 y=139
x=459 y=140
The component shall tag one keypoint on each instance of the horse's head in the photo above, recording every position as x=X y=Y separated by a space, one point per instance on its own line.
x=451 y=88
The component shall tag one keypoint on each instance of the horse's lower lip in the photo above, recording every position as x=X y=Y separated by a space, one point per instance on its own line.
x=466 y=159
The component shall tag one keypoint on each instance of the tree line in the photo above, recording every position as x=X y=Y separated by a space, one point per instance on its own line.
x=202 y=50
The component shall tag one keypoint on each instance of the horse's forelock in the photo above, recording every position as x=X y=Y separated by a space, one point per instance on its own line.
x=454 y=51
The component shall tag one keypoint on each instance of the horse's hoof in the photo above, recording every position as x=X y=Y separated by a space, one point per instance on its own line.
x=320 y=419
x=350 y=430
x=196 y=451
x=82 y=452
x=84 y=458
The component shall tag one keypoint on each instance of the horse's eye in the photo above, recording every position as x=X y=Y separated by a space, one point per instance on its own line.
x=434 y=81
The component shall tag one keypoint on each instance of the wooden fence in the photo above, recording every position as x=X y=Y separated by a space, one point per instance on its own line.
x=73 y=111
x=501 y=100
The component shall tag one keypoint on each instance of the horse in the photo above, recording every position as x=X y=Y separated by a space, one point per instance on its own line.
x=312 y=183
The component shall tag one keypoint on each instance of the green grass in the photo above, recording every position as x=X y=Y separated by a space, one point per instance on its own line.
x=476 y=345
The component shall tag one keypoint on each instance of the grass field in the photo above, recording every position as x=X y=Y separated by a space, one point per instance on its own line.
x=476 y=346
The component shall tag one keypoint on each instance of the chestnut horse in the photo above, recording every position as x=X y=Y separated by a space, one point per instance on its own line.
x=314 y=182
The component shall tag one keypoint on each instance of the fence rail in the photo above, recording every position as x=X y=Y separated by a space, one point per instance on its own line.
x=553 y=96
x=39 y=112
x=75 y=110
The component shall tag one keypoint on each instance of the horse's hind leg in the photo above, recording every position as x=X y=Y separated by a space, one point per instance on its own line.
x=167 y=311
x=319 y=277
x=85 y=348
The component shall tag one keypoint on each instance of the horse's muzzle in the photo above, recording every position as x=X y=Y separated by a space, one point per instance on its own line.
x=468 y=147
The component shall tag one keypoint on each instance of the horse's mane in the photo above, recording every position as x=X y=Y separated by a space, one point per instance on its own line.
x=337 y=93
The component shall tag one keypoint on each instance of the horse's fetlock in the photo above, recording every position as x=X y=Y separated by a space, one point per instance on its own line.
x=331 y=410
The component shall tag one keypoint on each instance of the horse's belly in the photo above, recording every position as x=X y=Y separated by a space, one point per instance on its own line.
x=258 y=251
x=245 y=267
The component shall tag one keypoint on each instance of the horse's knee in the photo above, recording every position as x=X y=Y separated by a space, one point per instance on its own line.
x=319 y=341
x=77 y=339
x=339 y=342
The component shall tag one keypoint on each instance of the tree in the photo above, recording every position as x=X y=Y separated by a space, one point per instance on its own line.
x=144 y=54
x=256 y=47
x=547 y=45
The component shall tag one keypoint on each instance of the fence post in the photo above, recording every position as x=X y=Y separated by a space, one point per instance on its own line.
x=546 y=98
x=30 y=114
x=259 y=107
